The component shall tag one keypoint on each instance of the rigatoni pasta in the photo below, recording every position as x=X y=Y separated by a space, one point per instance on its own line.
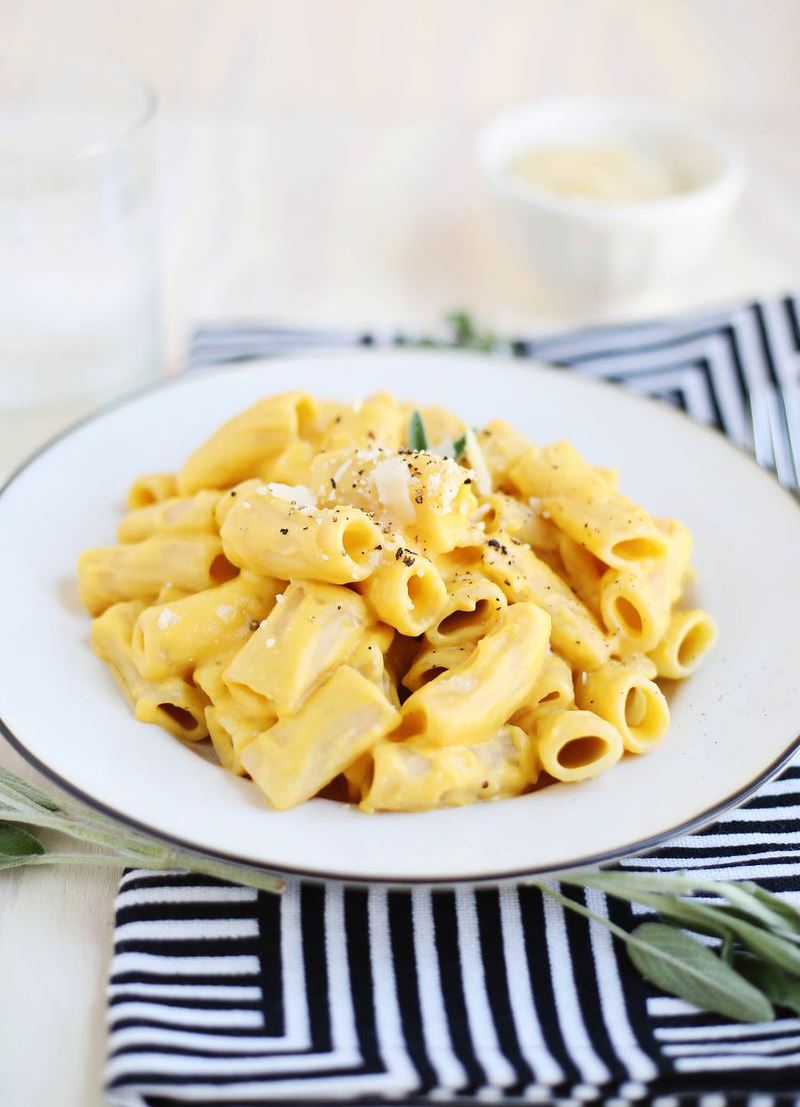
x=347 y=610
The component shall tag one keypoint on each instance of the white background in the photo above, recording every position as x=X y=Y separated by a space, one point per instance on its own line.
x=316 y=166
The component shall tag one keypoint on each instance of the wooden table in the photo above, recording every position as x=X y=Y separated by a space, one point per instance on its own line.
x=316 y=165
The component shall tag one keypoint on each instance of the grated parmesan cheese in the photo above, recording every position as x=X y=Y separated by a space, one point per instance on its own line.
x=391 y=477
x=340 y=472
x=297 y=494
x=369 y=453
x=445 y=448
x=270 y=642
x=477 y=462
x=225 y=610
x=167 y=618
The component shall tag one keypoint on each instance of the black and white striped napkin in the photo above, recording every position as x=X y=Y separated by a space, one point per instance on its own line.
x=219 y=995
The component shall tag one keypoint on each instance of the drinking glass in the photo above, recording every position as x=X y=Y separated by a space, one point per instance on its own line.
x=78 y=290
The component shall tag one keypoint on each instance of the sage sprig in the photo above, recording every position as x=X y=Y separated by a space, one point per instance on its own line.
x=468 y=336
x=417 y=435
x=22 y=806
x=463 y=333
x=752 y=965
x=752 y=962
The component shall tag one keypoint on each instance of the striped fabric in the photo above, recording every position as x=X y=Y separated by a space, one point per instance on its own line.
x=219 y=995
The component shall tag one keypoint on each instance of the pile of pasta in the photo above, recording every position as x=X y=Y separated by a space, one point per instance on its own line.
x=402 y=628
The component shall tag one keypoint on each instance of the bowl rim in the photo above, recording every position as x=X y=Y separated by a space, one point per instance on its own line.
x=722 y=189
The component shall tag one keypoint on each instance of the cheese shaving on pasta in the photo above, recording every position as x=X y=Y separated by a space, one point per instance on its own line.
x=474 y=455
x=391 y=477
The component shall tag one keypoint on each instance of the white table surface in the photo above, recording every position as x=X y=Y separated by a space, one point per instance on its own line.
x=316 y=167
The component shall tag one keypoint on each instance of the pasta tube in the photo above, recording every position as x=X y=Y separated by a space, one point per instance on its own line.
x=169 y=592
x=291 y=466
x=551 y=694
x=235 y=451
x=635 y=603
x=407 y=592
x=516 y=569
x=501 y=445
x=379 y=419
x=225 y=746
x=462 y=559
x=367 y=659
x=138 y=571
x=584 y=571
x=584 y=505
x=268 y=535
x=227 y=500
x=471 y=603
x=688 y=637
x=313 y=628
x=431 y=661
x=624 y=693
x=151 y=488
x=470 y=702
x=180 y=635
x=357 y=778
x=231 y=724
x=400 y=656
x=518 y=520
x=303 y=753
x=409 y=776
x=173 y=704
x=192 y=515
x=577 y=745
x=442 y=426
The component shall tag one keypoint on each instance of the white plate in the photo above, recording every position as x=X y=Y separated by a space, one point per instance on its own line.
x=733 y=724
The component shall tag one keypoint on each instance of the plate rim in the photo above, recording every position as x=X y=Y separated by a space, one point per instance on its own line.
x=640 y=846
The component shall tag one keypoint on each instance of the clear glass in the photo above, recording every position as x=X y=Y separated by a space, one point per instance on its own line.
x=78 y=290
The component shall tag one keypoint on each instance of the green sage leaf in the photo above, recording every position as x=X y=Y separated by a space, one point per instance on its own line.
x=459 y=447
x=16 y=790
x=777 y=950
x=417 y=438
x=681 y=966
x=745 y=904
x=671 y=908
x=790 y=915
x=16 y=843
x=779 y=986
x=467 y=335
x=774 y=948
x=691 y=915
x=464 y=330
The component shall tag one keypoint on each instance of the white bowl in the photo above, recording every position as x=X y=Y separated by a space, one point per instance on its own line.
x=604 y=249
